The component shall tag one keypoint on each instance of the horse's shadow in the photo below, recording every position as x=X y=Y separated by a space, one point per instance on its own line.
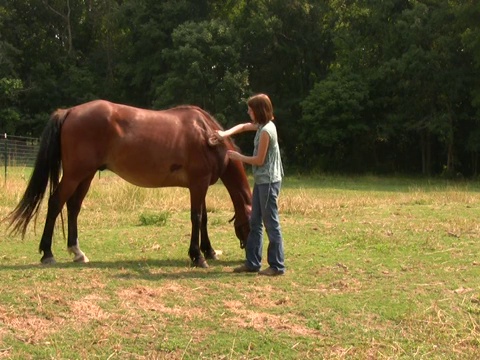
x=146 y=269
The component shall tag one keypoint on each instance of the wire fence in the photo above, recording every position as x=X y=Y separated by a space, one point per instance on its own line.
x=17 y=151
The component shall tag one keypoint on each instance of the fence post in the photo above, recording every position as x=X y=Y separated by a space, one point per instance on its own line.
x=5 y=156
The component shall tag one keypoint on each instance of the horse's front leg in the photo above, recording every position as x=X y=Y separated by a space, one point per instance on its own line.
x=197 y=201
x=194 y=251
x=205 y=245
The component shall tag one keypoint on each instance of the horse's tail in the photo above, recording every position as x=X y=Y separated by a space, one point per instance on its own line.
x=47 y=168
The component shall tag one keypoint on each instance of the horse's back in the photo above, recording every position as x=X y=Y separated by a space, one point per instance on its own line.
x=145 y=147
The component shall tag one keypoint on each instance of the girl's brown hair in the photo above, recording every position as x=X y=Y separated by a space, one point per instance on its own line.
x=262 y=108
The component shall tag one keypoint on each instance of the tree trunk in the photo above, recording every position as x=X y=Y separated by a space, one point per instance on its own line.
x=66 y=18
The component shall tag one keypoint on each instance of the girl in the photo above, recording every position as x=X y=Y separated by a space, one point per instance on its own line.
x=267 y=173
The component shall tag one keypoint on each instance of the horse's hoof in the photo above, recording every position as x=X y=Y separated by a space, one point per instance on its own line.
x=212 y=256
x=201 y=263
x=48 y=261
x=81 y=259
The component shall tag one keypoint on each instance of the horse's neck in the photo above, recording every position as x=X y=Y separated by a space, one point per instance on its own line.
x=236 y=182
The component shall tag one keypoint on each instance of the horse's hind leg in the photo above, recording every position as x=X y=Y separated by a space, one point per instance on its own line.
x=205 y=245
x=55 y=203
x=74 y=205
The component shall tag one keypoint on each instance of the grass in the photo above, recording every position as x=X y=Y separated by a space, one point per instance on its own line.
x=151 y=219
x=377 y=268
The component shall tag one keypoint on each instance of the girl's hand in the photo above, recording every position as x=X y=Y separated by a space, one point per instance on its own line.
x=234 y=155
x=219 y=134
x=216 y=138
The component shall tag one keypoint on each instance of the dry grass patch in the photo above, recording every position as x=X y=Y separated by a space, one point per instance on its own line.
x=262 y=320
x=143 y=298
x=28 y=327
x=87 y=309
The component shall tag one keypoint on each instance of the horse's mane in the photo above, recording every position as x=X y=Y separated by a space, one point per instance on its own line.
x=211 y=124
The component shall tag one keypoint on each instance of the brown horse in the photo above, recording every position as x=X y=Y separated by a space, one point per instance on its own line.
x=146 y=148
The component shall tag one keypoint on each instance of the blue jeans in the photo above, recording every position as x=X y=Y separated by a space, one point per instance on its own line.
x=265 y=212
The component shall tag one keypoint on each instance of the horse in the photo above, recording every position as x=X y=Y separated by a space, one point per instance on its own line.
x=148 y=148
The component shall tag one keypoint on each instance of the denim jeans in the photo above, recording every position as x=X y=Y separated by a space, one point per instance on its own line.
x=265 y=212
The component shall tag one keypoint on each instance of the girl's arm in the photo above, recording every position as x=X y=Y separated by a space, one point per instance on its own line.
x=258 y=159
x=236 y=130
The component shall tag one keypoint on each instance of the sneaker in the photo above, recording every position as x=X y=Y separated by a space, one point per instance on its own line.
x=271 y=272
x=244 y=269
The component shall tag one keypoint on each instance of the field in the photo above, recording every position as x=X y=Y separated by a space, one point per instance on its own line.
x=377 y=268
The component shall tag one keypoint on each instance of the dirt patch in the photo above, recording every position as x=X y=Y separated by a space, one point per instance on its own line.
x=87 y=309
x=31 y=329
x=260 y=321
x=146 y=298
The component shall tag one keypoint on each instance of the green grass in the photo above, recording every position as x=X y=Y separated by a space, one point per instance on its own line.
x=152 y=219
x=376 y=268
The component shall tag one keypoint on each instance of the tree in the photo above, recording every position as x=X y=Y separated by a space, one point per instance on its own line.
x=147 y=27
x=286 y=48
x=334 y=123
x=434 y=77
x=467 y=14
x=416 y=74
x=377 y=85
x=204 y=69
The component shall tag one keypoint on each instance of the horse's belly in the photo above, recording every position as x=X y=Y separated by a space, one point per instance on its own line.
x=146 y=176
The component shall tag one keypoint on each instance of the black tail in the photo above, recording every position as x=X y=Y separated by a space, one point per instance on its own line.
x=47 y=167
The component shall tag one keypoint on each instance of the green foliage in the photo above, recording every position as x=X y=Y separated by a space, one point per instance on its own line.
x=9 y=118
x=333 y=114
x=378 y=85
x=154 y=219
x=469 y=13
x=204 y=68
x=333 y=110
x=9 y=114
x=8 y=87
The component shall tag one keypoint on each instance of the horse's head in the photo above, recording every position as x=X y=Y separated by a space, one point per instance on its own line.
x=242 y=230
x=242 y=227
x=235 y=180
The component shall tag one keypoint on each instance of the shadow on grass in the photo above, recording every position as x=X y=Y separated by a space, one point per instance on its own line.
x=147 y=269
